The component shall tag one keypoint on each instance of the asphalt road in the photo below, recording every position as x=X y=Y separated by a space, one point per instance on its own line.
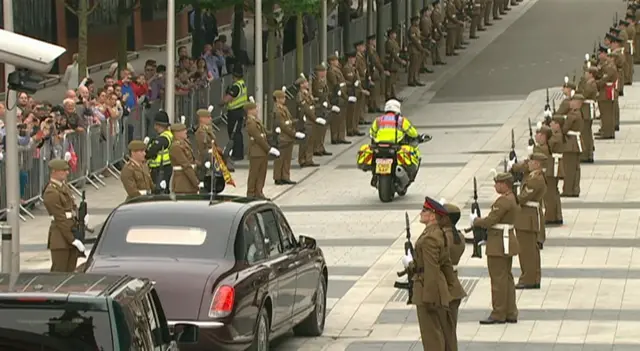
x=545 y=44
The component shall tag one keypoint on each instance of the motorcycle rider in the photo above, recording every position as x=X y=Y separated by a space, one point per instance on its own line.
x=393 y=128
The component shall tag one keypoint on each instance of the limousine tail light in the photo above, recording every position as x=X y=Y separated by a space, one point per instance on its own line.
x=222 y=302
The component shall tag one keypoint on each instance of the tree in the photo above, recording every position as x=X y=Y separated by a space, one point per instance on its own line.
x=125 y=11
x=300 y=8
x=82 y=9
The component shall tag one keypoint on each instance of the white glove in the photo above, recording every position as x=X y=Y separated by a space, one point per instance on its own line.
x=357 y=83
x=163 y=184
x=79 y=245
x=201 y=185
x=352 y=99
x=146 y=140
x=1 y=156
x=530 y=149
x=335 y=109
x=86 y=219
x=406 y=259
x=143 y=192
x=273 y=151
x=472 y=218
x=547 y=113
x=300 y=135
x=207 y=164
x=510 y=164
x=311 y=107
x=321 y=121
x=278 y=130
x=67 y=156
x=325 y=104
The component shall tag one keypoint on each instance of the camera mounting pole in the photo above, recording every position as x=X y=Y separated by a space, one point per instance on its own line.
x=12 y=167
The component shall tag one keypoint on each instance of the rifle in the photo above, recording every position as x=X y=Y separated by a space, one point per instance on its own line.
x=408 y=248
x=553 y=106
x=517 y=177
x=574 y=77
x=594 y=54
x=79 y=229
x=532 y=142
x=479 y=234
x=547 y=107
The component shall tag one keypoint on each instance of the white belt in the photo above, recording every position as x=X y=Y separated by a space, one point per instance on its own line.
x=505 y=235
x=556 y=163
x=592 y=108
x=578 y=138
x=631 y=49
x=455 y=268
x=179 y=168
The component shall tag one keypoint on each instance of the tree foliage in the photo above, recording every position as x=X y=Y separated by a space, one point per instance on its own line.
x=294 y=7
x=213 y=5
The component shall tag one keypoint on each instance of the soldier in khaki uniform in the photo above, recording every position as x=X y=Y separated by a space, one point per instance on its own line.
x=543 y=135
x=365 y=80
x=415 y=53
x=573 y=148
x=135 y=176
x=607 y=94
x=59 y=202
x=259 y=151
x=426 y=35
x=631 y=18
x=353 y=87
x=590 y=92
x=205 y=144
x=437 y=19
x=338 y=89
x=529 y=222
x=460 y=11
x=320 y=91
x=552 y=203
x=497 y=9
x=312 y=124
x=629 y=37
x=184 y=179
x=568 y=89
x=619 y=61
x=501 y=246
x=432 y=274
x=287 y=136
x=453 y=26
x=476 y=19
x=456 y=244
x=376 y=90
x=393 y=63
x=488 y=11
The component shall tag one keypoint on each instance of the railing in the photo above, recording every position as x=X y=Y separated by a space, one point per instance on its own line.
x=102 y=148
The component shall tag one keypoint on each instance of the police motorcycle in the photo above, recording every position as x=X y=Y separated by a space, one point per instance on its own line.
x=394 y=166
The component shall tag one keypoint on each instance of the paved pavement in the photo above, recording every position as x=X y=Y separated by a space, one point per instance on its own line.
x=591 y=269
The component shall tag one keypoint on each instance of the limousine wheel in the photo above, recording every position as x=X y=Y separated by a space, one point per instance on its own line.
x=313 y=325
x=261 y=334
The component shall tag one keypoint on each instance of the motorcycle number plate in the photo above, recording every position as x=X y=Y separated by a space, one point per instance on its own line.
x=383 y=165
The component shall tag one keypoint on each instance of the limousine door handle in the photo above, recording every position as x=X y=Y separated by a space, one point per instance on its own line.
x=293 y=264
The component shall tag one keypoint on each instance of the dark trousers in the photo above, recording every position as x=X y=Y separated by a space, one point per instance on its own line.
x=235 y=122
x=158 y=174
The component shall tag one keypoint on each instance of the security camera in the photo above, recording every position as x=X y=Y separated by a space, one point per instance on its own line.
x=28 y=53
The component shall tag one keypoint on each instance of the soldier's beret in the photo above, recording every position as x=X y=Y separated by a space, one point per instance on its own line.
x=603 y=48
x=577 y=97
x=618 y=40
x=279 y=94
x=615 y=30
x=161 y=118
x=351 y=55
x=319 y=68
x=630 y=16
x=59 y=165
x=178 y=127
x=300 y=80
x=570 y=85
x=203 y=113
x=451 y=208
x=371 y=37
x=332 y=58
x=436 y=2
x=503 y=177
x=593 y=70
x=250 y=106
x=423 y=11
x=358 y=43
x=434 y=206
x=623 y=22
x=415 y=18
x=390 y=31
x=137 y=145
x=545 y=130
x=539 y=156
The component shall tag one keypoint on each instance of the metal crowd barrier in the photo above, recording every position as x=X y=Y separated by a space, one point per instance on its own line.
x=102 y=148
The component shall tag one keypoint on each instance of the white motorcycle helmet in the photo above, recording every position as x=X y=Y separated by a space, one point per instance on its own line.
x=392 y=105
